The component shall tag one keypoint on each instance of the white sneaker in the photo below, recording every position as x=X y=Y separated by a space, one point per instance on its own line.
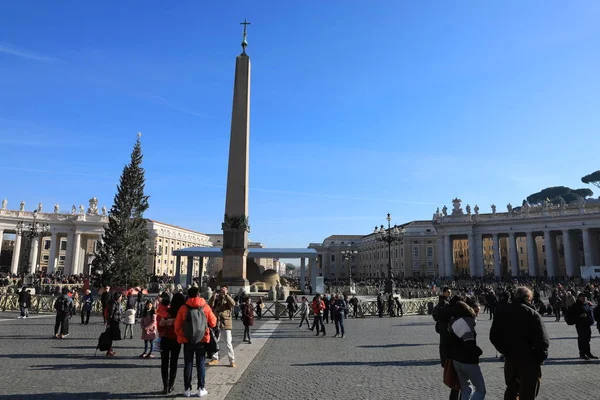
x=202 y=392
x=20 y=317
x=25 y=316
x=187 y=393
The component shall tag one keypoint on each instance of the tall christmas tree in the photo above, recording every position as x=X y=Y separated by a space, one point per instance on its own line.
x=121 y=257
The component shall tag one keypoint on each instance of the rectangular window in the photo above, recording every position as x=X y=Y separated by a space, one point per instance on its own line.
x=401 y=252
x=46 y=244
x=415 y=251
x=543 y=248
x=333 y=258
x=429 y=251
x=45 y=257
x=429 y=264
x=63 y=245
x=521 y=263
x=521 y=250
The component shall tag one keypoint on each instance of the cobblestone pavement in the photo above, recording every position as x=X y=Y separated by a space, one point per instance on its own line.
x=397 y=358
x=379 y=359
x=34 y=366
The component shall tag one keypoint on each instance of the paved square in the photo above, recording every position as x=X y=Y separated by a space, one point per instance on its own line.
x=379 y=358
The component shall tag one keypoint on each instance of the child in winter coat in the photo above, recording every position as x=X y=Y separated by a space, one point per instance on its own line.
x=129 y=321
x=148 y=324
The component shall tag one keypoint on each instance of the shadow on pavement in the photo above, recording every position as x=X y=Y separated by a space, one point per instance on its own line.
x=56 y=367
x=387 y=346
x=78 y=396
x=404 y=363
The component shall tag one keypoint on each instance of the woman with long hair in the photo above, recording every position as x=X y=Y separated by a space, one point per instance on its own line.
x=148 y=324
x=113 y=320
x=170 y=348
x=247 y=318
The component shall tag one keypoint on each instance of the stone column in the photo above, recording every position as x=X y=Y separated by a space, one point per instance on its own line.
x=448 y=256
x=14 y=266
x=312 y=266
x=33 y=256
x=514 y=258
x=1 y=240
x=190 y=271
x=53 y=247
x=69 y=255
x=177 y=270
x=472 y=255
x=497 y=260
x=587 y=247
x=75 y=265
x=531 y=254
x=480 y=262
x=439 y=249
x=550 y=258
x=201 y=267
x=302 y=274
x=569 y=260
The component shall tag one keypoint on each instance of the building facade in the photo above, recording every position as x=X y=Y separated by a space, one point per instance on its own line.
x=548 y=240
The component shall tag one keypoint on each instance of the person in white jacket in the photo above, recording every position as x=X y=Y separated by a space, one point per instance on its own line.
x=129 y=321
x=304 y=309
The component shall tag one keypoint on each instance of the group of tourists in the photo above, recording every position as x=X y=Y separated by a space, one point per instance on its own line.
x=178 y=321
x=517 y=332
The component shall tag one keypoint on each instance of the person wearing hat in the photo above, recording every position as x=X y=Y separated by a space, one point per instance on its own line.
x=86 y=307
x=581 y=313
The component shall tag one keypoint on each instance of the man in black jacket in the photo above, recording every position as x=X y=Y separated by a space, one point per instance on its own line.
x=520 y=335
x=581 y=313
x=442 y=314
x=24 y=302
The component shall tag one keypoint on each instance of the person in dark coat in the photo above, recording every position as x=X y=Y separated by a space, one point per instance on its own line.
x=63 y=306
x=247 y=318
x=518 y=333
x=581 y=313
x=380 y=305
x=113 y=321
x=86 y=307
x=105 y=298
x=24 y=302
x=442 y=315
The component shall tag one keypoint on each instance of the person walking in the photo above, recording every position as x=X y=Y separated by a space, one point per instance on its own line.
x=63 y=306
x=259 y=307
x=318 y=307
x=380 y=305
x=354 y=303
x=113 y=321
x=190 y=321
x=399 y=306
x=140 y=303
x=326 y=300
x=129 y=320
x=24 y=302
x=169 y=346
x=148 y=325
x=338 y=306
x=105 y=299
x=465 y=353
x=442 y=314
x=222 y=305
x=519 y=334
x=581 y=313
x=86 y=307
x=291 y=306
x=304 y=310
x=247 y=318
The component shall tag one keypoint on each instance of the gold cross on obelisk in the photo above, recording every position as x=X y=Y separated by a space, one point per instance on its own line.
x=244 y=41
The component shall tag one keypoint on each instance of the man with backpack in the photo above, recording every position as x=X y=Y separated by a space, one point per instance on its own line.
x=192 y=329
x=63 y=306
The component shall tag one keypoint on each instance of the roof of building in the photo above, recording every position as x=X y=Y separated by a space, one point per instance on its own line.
x=175 y=226
x=253 y=252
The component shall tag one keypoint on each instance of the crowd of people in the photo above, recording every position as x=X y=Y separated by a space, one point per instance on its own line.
x=517 y=332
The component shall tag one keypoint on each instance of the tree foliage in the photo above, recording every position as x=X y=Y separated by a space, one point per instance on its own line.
x=122 y=255
x=555 y=193
x=593 y=178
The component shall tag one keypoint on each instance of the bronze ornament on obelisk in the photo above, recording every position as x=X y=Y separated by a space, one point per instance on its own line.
x=235 y=224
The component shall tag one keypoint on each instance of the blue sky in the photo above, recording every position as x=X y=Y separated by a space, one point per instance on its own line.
x=358 y=108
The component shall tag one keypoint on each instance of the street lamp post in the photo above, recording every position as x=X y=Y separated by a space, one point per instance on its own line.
x=32 y=231
x=390 y=235
x=347 y=255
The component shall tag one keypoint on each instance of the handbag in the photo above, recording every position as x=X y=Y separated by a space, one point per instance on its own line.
x=450 y=375
x=212 y=346
x=157 y=343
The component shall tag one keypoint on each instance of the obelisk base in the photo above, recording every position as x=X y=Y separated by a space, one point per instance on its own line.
x=234 y=270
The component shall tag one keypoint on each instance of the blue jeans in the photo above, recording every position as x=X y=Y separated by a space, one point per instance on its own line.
x=471 y=381
x=24 y=312
x=339 y=325
x=146 y=342
x=188 y=358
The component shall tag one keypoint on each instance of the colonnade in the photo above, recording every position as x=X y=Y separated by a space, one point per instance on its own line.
x=570 y=251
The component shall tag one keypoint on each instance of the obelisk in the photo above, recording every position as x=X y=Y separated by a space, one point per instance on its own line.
x=235 y=224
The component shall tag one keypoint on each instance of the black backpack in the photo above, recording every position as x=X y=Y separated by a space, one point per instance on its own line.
x=62 y=305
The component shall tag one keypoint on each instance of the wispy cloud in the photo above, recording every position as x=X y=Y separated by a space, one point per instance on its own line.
x=173 y=105
x=9 y=49
x=53 y=172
